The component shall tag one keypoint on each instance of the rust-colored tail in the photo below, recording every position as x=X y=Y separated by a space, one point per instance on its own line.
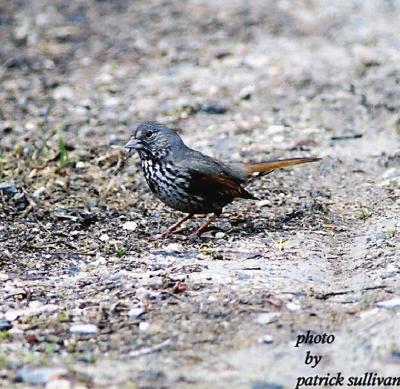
x=267 y=167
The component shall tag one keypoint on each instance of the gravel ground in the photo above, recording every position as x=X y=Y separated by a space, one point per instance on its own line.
x=88 y=301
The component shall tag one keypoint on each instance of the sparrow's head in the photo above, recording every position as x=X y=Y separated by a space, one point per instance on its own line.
x=153 y=139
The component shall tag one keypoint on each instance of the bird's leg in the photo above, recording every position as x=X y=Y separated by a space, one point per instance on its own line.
x=171 y=229
x=204 y=225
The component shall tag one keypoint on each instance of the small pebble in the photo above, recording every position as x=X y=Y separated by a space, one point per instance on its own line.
x=8 y=189
x=243 y=276
x=392 y=174
x=36 y=375
x=202 y=257
x=293 y=307
x=81 y=165
x=84 y=329
x=5 y=325
x=263 y=203
x=246 y=92
x=136 y=312
x=267 y=339
x=63 y=92
x=130 y=226
x=104 y=238
x=173 y=248
x=213 y=108
x=144 y=326
x=92 y=203
x=266 y=318
x=390 y=271
x=219 y=235
x=389 y=304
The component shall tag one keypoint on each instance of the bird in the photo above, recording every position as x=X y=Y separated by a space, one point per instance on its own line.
x=189 y=181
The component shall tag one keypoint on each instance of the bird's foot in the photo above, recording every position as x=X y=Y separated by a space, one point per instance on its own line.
x=203 y=227
x=168 y=233
x=192 y=237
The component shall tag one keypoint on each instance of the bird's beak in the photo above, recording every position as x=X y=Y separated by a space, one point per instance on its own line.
x=133 y=144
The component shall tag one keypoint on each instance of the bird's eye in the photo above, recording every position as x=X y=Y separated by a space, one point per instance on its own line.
x=148 y=134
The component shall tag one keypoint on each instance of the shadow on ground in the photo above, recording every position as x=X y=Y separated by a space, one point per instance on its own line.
x=87 y=299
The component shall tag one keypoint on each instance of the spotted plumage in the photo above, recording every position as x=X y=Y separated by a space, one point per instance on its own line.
x=188 y=180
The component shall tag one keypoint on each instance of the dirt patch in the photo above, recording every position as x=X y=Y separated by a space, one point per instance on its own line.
x=87 y=298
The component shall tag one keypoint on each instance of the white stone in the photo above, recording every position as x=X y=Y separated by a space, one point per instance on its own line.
x=246 y=92
x=30 y=126
x=81 y=165
x=173 y=248
x=266 y=339
x=135 y=312
x=389 y=304
x=104 y=238
x=84 y=329
x=293 y=306
x=266 y=318
x=263 y=203
x=392 y=173
x=63 y=92
x=130 y=226
x=144 y=326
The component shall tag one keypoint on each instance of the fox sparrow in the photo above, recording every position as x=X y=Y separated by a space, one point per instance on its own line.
x=190 y=181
